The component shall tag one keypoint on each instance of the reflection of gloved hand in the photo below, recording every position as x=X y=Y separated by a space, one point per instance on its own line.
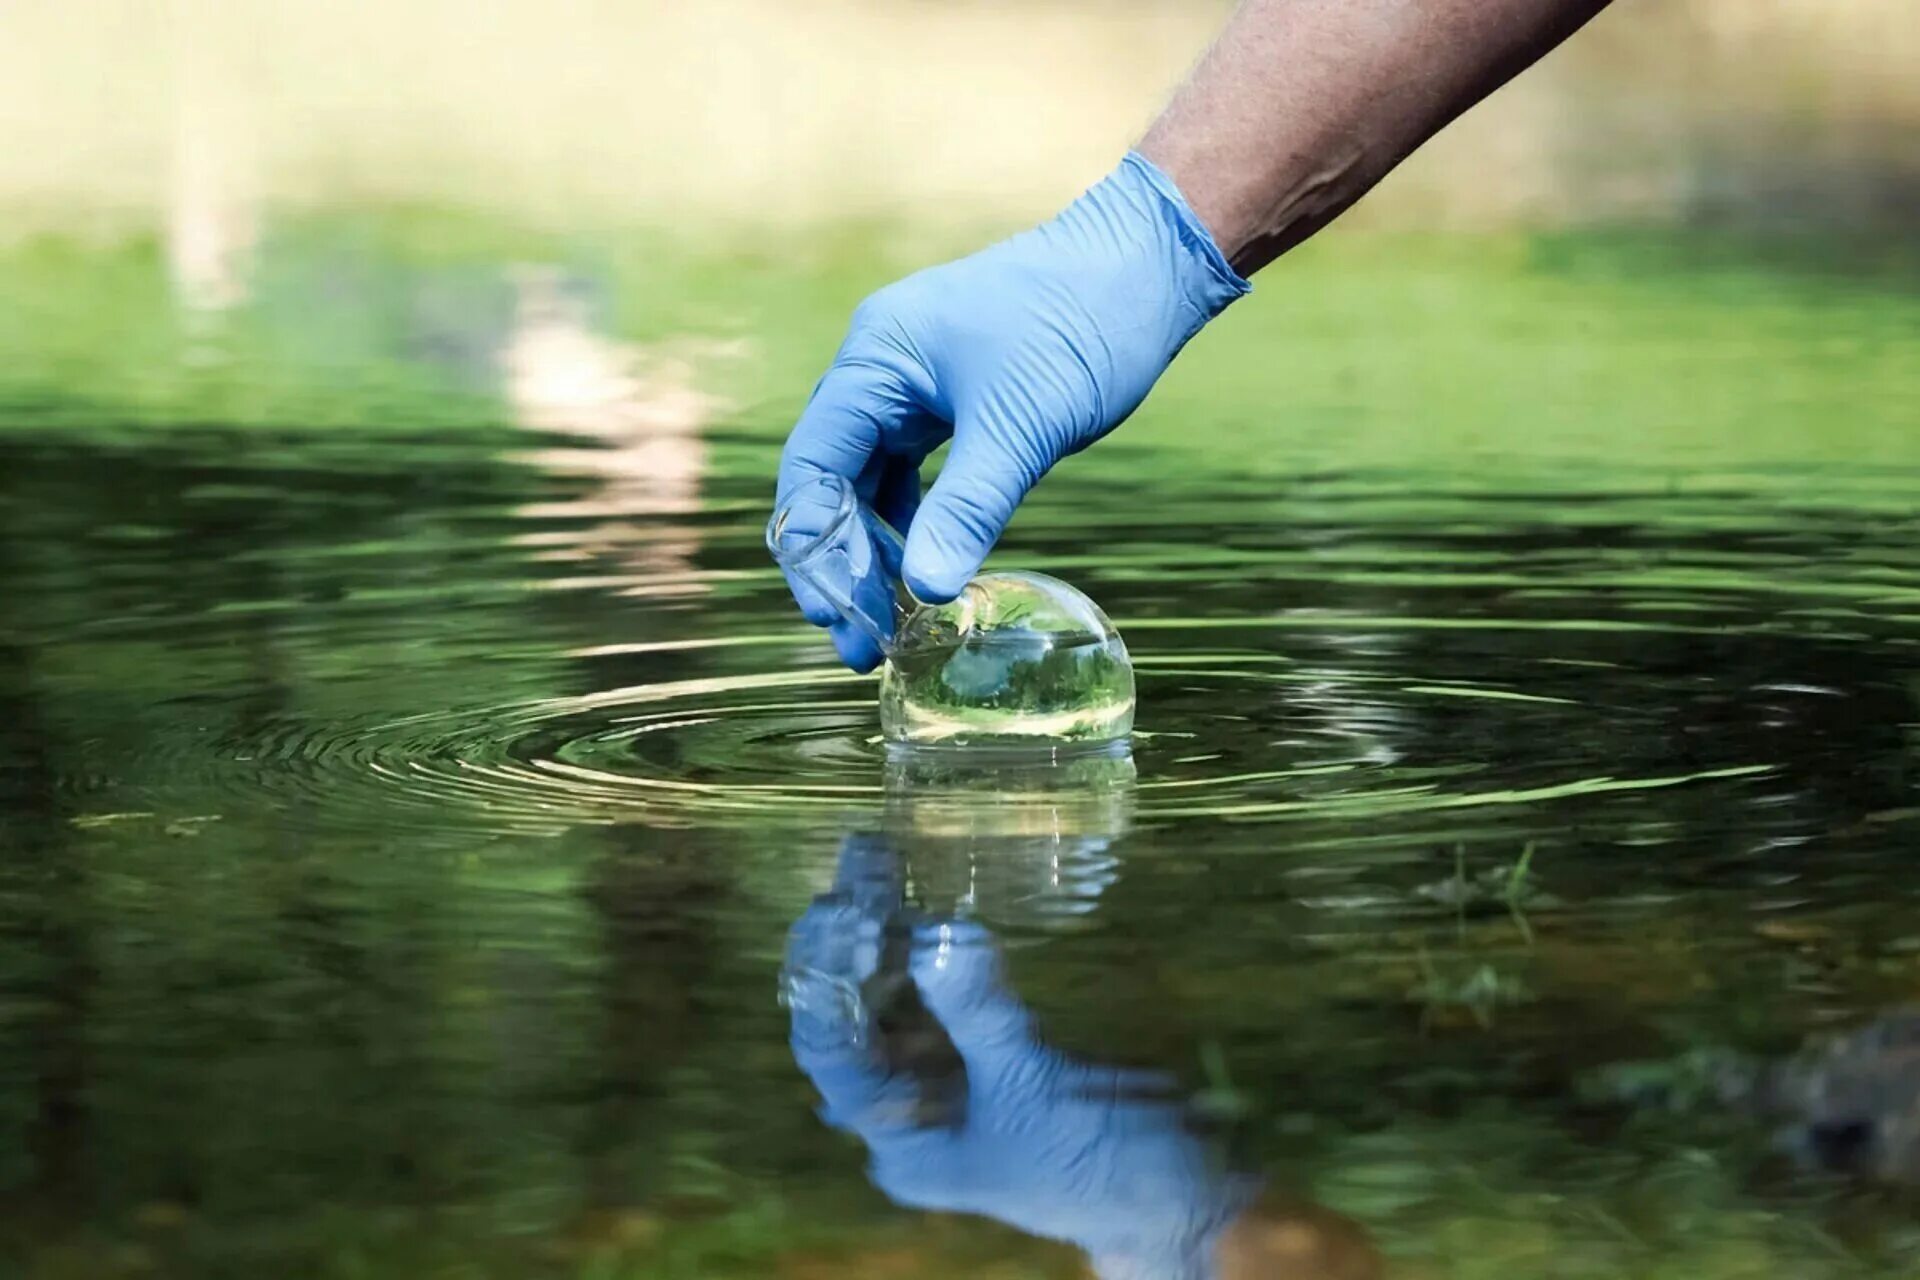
x=833 y=950
x=1056 y=1148
x=1023 y=353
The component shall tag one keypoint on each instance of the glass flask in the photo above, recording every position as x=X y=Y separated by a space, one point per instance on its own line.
x=1016 y=661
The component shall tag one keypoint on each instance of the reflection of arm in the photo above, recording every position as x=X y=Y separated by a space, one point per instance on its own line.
x=1302 y=105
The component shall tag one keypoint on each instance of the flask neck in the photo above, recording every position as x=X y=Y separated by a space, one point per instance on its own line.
x=834 y=546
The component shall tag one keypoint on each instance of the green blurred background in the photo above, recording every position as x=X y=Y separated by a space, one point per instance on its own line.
x=275 y=210
x=395 y=387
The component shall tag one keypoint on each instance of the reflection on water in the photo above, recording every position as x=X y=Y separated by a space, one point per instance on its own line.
x=1008 y=842
x=1854 y=1102
x=354 y=867
x=212 y=211
x=904 y=1020
x=404 y=824
x=641 y=412
x=1846 y=1102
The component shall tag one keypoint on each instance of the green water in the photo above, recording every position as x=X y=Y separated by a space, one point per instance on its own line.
x=1018 y=660
x=404 y=811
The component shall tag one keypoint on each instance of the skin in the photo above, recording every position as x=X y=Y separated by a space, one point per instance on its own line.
x=1301 y=106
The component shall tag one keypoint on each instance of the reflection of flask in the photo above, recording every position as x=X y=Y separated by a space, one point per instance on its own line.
x=1016 y=844
x=1017 y=660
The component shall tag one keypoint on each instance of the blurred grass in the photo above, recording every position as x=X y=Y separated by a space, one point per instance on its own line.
x=1685 y=236
x=1638 y=348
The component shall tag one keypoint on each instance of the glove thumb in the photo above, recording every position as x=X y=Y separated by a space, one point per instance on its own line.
x=963 y=516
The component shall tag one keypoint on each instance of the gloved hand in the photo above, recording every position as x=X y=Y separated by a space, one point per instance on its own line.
x=1091 y=1155
x=1023 y=353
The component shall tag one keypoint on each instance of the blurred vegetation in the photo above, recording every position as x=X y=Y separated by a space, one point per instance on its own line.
x=252 y=511
x=1639 y=349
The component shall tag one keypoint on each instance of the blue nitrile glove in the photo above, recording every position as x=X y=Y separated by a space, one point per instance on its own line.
x=1088 y=1155
x=834 y=949
x=1023 y=353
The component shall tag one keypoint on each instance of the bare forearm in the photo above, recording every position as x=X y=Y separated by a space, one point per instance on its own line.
x=1302 y=105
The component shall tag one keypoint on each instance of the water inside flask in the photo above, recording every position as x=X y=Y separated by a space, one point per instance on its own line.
x=1017 y=661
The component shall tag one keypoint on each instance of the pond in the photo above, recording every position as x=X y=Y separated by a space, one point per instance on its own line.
x=435 y=847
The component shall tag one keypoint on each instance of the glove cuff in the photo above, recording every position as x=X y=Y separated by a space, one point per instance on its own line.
x=1210 y=283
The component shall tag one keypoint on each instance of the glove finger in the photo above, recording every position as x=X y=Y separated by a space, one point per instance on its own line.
x=837 y=939
x=805 y=521
x=963 y=516
x=869 y=872
x=860 y=409
x=839 y=433
x=812 y=604
x=956 y=968
x=855 y=406
x=898 y=494
x=855 y=647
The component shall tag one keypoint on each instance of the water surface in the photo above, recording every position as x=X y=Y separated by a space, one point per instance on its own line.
x=407 y=821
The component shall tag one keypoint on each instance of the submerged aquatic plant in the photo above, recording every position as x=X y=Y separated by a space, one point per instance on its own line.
x=1479 y=990
x=1511 y=885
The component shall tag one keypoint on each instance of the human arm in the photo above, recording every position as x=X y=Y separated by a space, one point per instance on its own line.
x=1032 y=349
x=1301 y=106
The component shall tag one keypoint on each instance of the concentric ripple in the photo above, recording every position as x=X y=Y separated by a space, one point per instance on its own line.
x=1230 y=735
x=1350 y=646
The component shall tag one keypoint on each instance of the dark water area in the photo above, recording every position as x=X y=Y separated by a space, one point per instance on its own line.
x=419 y=863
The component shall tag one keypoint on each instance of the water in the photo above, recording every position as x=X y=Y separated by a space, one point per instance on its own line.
x=1018 y=660
x=407 y=827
